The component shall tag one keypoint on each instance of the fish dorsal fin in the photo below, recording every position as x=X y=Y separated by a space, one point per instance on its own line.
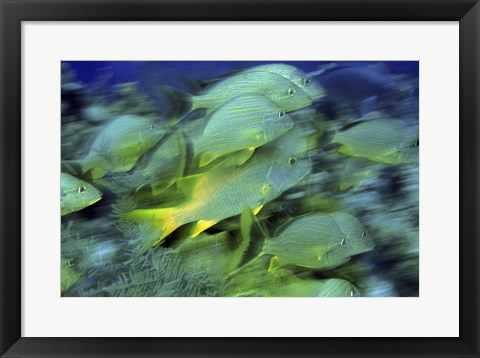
x=244 y=155
x=240 y=157
x=205 y=85
x=227 y=162
x=187 y=184
x=353 y=124
x=206 y=158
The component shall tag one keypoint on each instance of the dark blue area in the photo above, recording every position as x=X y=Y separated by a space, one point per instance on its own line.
x=128 y=71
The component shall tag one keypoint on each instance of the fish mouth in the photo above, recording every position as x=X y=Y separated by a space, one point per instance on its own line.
x=316 y=94
x=367 y=248
x=91 y=202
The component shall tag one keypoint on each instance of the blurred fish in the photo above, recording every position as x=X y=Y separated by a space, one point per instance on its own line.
x=295 y=75
x=388 y=141
x=245 y=122
x=165 y=164
x=119 y=145
x=312 y=288
x=336 y=287
x=256 y=281
x=356 y=171
x=68 y=277
x=96 y=114
x=299 y=139
x=76 y=194
x=317 y=240
x=215 y=254
x=357 y=86
x=278 y=88
x=225 y=190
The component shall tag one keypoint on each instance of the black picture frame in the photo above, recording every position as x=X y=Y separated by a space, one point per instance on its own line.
x=13 y=12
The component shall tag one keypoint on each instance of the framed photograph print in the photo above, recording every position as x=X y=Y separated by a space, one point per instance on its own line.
x=239 y=178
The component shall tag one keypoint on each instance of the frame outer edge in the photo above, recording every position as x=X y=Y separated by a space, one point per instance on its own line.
x=469 y=177
x=10 y=177
x=10 y=189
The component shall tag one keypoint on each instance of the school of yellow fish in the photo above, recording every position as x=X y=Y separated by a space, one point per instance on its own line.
x=247 y=149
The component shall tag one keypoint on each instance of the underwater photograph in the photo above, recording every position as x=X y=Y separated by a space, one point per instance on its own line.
x=239 y=179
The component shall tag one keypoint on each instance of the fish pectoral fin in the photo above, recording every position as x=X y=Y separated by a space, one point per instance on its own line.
x=257 y=209
x=244 y=155
x=274 y=264
x=201 y=226
x=187 y=184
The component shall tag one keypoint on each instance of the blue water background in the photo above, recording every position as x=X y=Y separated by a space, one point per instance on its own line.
x=129 y=71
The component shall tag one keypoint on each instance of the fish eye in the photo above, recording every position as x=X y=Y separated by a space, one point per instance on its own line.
x=292 y=161
x=307 y=81
x=81 y=189
x=291 y=92
x=343 y=242
x=281 y=114
x=364 y=233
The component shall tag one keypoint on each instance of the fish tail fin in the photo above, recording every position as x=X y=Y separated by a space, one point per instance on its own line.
x=164 y=220
x=253 y=234
x=182 y=102
x=250 y=247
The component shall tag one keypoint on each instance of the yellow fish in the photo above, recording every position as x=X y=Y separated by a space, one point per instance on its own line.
x=225 y=190
x=245 y=122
